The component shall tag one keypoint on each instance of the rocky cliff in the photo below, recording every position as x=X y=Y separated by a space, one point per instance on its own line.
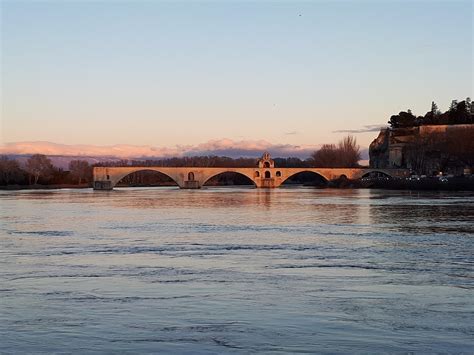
x=378 y=150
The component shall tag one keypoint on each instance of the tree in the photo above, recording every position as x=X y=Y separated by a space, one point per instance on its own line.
x=326 y=156
x=349 y=152
x=10 y=171
x=346 y=154
x=458 y=114
x=80 y=170
x=37 y=166
x=454 y=105
x=470 y=104
x=403 y=119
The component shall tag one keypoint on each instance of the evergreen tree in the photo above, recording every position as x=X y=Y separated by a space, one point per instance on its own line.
x=454 y=105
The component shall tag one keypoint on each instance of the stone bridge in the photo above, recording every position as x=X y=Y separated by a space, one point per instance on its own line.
x=266 y=175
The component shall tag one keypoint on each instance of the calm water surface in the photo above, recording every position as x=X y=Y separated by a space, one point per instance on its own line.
x=236 y=270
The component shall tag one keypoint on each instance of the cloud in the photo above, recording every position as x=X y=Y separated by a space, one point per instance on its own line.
x=49 y=148
x=366 y=128
x=292 y=133
x=223 y=147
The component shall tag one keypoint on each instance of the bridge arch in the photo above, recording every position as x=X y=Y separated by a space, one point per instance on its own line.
x=378 y=172
x=224 y=171
x=120 y=176
x=320 y=175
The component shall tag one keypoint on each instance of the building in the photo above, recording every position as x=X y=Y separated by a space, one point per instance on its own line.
x=426 y=149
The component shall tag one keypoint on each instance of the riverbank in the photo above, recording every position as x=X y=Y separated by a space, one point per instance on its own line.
x=45 y=187
x=428 y=183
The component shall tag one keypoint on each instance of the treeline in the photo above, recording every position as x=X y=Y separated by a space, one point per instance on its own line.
x=458 y=113
x=39 y=170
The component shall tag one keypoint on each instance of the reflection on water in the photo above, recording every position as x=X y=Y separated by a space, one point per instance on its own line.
x=236 y=270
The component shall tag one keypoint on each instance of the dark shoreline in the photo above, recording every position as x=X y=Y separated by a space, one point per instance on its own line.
x=424 y=184
x=44 y=187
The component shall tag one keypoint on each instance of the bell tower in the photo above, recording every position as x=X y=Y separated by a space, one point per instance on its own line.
x=266 y=161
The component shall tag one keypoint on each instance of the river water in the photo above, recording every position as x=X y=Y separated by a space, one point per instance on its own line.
x=236 y=270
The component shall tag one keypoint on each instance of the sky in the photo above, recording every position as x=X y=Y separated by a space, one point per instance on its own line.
x=171 y=74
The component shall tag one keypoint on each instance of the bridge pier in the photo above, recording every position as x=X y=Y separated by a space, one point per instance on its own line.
x=102 y=185
x=268 y=183
x=191 y=184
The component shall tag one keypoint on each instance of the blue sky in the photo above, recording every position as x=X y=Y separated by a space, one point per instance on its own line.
x=183 y=73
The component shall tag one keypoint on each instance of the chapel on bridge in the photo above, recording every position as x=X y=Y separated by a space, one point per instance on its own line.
x=266 y=161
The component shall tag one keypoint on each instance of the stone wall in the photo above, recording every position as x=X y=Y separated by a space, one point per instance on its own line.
x=392 y=148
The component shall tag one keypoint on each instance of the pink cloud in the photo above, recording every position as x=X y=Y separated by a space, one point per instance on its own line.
x=227 y=147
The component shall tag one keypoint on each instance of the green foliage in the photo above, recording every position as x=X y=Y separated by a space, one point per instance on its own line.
x=458 y=113
x=402 y=120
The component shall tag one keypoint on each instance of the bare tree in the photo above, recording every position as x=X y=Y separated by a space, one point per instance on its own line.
x=10 y=171
x=349 y=152
x=37 y=166
x=80 y=170
x=326 y=157
x=346 y=154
